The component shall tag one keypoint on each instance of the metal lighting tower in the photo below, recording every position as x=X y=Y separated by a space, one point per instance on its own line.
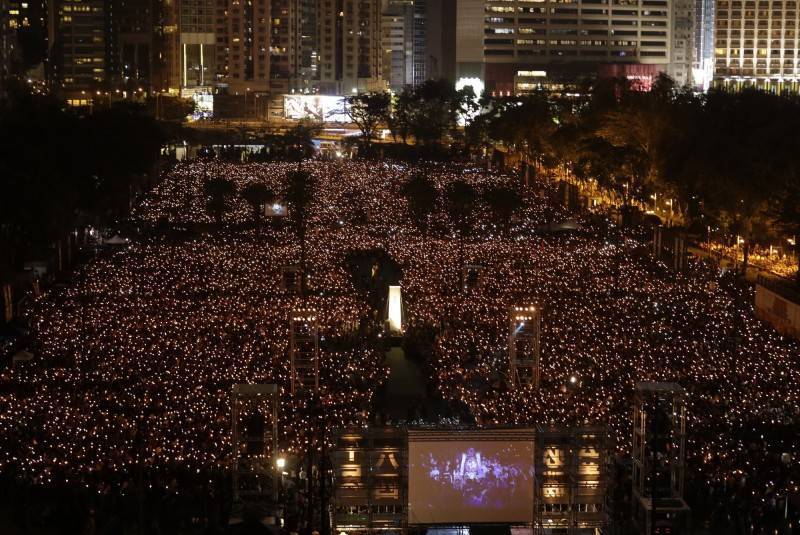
x=304 y=349
x=291 y=279
x=254 y=423
x=524 y=328
x=659 y=458
x=472 y=275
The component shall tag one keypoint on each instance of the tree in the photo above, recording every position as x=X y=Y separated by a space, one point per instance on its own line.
x=218 y=191
x=120 y=162
x=399 y=120
x=257 y=195
x=294 y=145
x=169 y=108
x=461 y=200
x=368 y=111
x=504 y=202
x=748 y=151
x=431 y=110
x=300 y=192
x=522 y=123
x=422 y=197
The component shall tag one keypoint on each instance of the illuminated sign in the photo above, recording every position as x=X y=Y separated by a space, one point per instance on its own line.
x=395 y=309
x=322 y=108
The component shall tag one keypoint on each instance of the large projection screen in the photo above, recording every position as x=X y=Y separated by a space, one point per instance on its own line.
x=474 y=477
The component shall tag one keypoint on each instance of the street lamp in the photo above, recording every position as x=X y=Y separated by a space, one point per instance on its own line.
x=280 y=462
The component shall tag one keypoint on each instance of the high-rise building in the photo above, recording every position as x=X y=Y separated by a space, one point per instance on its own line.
x=703 y=56
x=23 y=38
x=514 y=46
x=198 y=44
x=682 y=47
x=756 y=45
x=440 y=27
x=167 y=48
x=286 y=46
x=78 y=48
x=419 y=45
x=243 y=45
x=349 y=43
x=309 y=59
x=8 y=43
x=397 y=39
x=131 y=44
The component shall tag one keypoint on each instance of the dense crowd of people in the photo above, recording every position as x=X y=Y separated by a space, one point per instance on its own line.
x=136 y=358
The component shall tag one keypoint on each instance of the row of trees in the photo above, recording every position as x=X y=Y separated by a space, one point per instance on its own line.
x=728 y=159
x=427 y=113
x=61 y=170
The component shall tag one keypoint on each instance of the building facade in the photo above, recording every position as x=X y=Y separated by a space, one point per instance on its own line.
x=78 y=49
x=349 y=42
x=703 y=55
x=243 y=45
x=756 y=45
x=681 y=52
x=397 y=41
x=538 y=43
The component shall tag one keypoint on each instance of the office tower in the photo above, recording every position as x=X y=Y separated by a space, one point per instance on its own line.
x=131 y=44
x=286 y=35
x=682 y=47
x=23 y=37
x=309 y=58
x=756 y=45
x=703 y=55
x=8 y=43
x=348 y=38
x=440 y=40
x=167 y=48
x=397 y=29
x=197 y=45
x=515 y=46
x=77 y=48
x=420 y=42
x=243 y=45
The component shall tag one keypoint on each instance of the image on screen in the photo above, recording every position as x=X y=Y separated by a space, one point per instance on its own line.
x=470 y=481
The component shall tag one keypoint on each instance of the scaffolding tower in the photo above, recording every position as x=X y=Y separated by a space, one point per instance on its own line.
x=659 y=457
x=292 y=279
x=304 y=350
x=472 y=275
x=254 y=429
x=524 y=329
x=370 y=467
x=572 y=477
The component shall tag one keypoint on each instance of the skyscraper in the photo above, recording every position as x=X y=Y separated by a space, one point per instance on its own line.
x=420 y=42
x=756 y=45
x=243 y=45
x=197 y=44
x=703 y=56
x=397 y=40
x=515 y=46
x=131 y=58
x=309 y=53
x=682 y=45
x=348 y=39
x=8 y=43
x=78 y=48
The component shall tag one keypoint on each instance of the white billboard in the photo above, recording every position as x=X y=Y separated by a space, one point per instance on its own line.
x=323 y=108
